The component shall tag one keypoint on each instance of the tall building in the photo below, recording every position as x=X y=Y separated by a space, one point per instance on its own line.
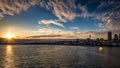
x=109 y=36
x=119 y=36
x=116 y=37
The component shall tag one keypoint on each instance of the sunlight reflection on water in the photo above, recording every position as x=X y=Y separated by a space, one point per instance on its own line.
x=100 y=48
x=58 y=56
x=9 y=57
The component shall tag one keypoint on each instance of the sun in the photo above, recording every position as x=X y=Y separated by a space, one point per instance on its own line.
x=9 y=36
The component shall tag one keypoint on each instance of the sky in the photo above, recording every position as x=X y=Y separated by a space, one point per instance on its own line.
x=59 y=19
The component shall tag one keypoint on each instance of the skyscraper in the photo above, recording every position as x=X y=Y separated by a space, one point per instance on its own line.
x=109 y=36
x=116 y=37
x=119 y=36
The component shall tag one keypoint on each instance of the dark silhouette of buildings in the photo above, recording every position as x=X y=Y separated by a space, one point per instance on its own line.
x=116 y=38
x=109 y=36
x=119 y=36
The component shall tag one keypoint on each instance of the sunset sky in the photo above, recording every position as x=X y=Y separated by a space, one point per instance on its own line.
x=59 y=18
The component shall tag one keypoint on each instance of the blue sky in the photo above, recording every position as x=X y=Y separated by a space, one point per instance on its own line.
x=72 y=18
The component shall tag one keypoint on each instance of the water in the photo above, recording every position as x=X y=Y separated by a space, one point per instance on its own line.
x=58 y=56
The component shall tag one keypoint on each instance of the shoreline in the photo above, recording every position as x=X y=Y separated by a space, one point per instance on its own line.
x=1 y=44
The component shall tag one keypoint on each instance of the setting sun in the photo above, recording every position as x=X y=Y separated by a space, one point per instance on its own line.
x=9 y=36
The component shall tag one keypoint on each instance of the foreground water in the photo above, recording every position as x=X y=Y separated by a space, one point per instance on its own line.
x=58 y=56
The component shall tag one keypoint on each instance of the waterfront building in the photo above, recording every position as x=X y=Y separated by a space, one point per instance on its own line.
x=119 y=36
x=116 y=38
x=109 y=36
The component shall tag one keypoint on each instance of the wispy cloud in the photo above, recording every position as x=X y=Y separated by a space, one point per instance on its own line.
x=84 y=12
x=101 y=25
x=53 y=33
x=1 y=16
x=47 y=22
x=9 y=7
x=75 y=28
x=110 y=15
x=65 y=10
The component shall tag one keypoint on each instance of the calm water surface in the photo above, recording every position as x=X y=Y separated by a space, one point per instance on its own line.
x=58 y=56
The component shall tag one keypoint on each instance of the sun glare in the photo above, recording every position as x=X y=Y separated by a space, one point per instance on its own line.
x=9 y=36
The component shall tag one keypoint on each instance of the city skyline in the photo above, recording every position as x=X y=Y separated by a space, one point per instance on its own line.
x=59 y=19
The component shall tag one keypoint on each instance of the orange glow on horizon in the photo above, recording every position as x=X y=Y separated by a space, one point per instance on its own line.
x=9 y=36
